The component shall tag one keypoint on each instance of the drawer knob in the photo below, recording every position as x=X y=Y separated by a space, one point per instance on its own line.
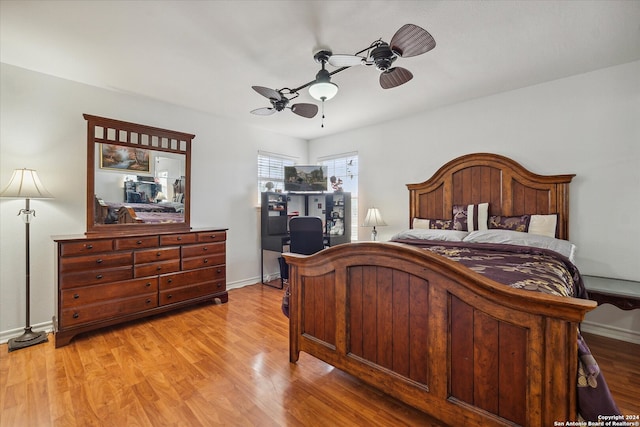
x=205 y=248
x=205 y=261
x=219 y=271
x=169 y=296
x=170 y=280
x=89 y=246
x=76 y=315
x=76 y=296
x=99 y=261
x=99 y=276
x=219 y=285
x=158 y=268
x=148 y=301
x=139 y=242
x=148 y=284
x=179 y=238
x=213 y=236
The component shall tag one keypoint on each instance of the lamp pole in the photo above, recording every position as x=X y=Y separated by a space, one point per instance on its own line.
x=28 y=338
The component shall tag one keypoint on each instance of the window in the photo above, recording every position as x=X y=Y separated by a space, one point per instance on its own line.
x=345 y=168
x=271 y=170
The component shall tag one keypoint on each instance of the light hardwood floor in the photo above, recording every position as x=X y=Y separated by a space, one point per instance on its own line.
x=217 y=365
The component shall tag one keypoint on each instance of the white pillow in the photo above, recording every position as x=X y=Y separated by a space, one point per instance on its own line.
x=437 y=235
x=544 y=225
x=510 y=237
x=420 y=223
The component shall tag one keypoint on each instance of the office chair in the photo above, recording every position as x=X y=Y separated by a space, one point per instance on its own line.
x=306 y=237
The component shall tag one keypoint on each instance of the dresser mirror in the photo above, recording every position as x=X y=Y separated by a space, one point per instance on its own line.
x=138 y=178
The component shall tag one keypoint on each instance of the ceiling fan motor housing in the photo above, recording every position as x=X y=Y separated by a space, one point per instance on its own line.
x=280 y=104
x=383 y=57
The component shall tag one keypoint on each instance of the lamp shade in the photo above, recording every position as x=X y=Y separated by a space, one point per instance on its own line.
x=322 y=89
x=25 y=184
x=373 y=218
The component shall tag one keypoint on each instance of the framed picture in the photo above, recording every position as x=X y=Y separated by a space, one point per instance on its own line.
x=119 y=157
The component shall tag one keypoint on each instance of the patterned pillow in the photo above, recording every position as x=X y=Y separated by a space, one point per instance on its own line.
x=470 y=217
x=515 y=223
x=441 y=224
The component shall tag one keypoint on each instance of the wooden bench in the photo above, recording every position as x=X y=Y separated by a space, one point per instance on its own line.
x=624 y=294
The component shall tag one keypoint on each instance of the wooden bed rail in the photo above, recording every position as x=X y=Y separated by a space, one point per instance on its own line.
x=436 y=335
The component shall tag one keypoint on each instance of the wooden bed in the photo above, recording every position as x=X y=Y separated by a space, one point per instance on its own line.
x=435 y=334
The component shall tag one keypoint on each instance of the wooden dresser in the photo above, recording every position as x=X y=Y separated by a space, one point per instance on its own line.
x=102 y=281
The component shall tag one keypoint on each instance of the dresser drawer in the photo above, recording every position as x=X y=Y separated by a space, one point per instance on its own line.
x=103 y=293
x=212 y=236
x=160 y=254
x=95 y=262
x=172 y=296
x=136 y=242
x=177 y=239
x=99 y=311
x=203 y=261
x=156 y=268
x=177 y=280
x=203 y=249
x=77 y=279
x=85 y=247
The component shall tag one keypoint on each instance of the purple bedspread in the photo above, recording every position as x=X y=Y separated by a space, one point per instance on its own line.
x=538 y=270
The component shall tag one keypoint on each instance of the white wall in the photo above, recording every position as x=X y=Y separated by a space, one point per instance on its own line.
x=42 y=127
x=588 y=125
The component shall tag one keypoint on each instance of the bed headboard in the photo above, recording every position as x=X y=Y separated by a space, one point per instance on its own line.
x=509 y=188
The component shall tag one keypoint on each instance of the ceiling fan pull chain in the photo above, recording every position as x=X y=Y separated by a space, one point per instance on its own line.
x=322 y=125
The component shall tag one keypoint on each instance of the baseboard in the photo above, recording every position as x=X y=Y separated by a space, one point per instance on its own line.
x=5 y=336
x=611 y=332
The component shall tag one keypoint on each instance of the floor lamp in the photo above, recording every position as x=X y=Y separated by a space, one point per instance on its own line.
x=25 y=184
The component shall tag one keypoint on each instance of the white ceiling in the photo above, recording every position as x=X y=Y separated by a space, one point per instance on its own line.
x=206 y=55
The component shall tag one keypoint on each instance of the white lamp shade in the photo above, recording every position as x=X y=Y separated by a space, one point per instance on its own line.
x=323 y=91
x=25 y=184
x=373 y=218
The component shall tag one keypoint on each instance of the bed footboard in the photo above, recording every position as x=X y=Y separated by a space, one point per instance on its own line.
x=437 y=335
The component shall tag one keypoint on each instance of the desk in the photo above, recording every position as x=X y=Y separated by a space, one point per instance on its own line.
x=624 y=294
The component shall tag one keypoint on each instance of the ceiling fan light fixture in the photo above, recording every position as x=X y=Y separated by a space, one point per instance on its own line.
x=322 y=89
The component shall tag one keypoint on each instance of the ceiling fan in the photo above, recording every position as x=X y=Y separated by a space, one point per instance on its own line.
x=409 y=40
x=279 y=101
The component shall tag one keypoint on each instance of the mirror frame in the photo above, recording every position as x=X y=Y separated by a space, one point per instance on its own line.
x=127 y=134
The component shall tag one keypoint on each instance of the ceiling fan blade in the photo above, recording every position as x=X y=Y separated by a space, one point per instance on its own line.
x=395 y=76
x=268 y=93
x=305 y=110
x=411 y=40
x=263 y=111
x=346 y=60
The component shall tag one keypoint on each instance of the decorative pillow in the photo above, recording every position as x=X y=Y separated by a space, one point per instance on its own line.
x=544 y=225
x=441 y=224
x=470 y=217
x=420 y=223
x=509 y=237
x=514 y=223
x=424 y=234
